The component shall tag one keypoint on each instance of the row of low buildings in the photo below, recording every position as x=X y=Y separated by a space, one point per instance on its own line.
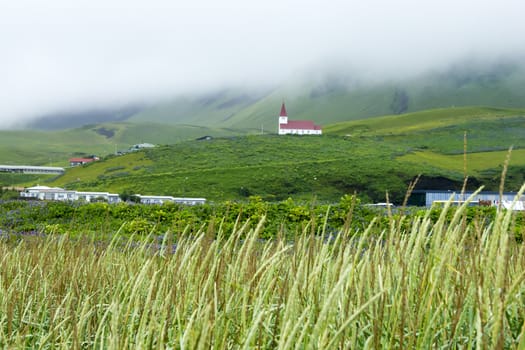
x=60 y=194
x=428 y=198
x=507 y=200
x=30 y=169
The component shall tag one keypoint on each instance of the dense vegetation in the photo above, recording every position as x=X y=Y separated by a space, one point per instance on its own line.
x=428 y=280
x=103 y=220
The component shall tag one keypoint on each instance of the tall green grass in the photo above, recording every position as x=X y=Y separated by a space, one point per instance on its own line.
x=418 y=284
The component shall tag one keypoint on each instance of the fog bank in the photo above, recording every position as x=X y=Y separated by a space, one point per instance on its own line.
x=59 y=55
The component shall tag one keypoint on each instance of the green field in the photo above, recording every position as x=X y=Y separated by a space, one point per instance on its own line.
x=335 y=167
x=434 y=119
x=476 y=162
x=282 y=255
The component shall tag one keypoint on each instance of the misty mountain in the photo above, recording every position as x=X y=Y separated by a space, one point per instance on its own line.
x=324 y=98
x=211 y=108
x=65 y=120
x=342 y=97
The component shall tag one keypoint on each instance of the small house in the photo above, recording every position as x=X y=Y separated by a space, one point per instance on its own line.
x=140 y=146
x=80 y=161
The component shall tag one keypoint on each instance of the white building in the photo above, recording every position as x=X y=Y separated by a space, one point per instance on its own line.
x=47 y=193
x=140 y=146
x=30 y=169
x=146 y=199
x=96 y=196
x=60 y=194
x=431 y=197
x=296 y=127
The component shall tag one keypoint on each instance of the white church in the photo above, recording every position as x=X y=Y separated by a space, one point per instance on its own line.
x=296 y=127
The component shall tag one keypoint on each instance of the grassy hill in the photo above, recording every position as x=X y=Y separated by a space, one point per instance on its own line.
x=425 y=120
x=442 y=130
x=370 y=156
x=230 y=168
x=56 y=147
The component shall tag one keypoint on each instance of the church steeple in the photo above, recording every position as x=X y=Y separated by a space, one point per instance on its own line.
x=283 y=116
x=283 y=111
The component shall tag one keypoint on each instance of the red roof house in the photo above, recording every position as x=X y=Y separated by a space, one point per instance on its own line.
x=298 y=127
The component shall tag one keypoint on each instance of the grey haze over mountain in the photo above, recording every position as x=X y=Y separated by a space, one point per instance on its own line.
x=62 y=55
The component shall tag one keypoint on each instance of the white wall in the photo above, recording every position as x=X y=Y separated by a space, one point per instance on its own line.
x=299 y=132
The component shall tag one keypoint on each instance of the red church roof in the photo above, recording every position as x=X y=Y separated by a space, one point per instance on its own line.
x=81 y=160
x=299 y=124
x=283 y=111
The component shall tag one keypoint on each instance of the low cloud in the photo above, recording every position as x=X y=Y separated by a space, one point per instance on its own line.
x=59 y=55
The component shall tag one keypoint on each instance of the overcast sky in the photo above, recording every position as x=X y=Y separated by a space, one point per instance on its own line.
x=60 y=54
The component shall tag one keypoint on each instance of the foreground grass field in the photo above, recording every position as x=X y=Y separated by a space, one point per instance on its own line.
x=419 y=284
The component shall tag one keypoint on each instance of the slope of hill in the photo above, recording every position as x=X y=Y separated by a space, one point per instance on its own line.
x=443 y=130
x=55 y=147
x=370 y=156
x=231 y=168
x=213 y=108
x=73 y=119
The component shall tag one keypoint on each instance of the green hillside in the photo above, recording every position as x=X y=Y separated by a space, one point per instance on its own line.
x=309 y=101
x=371 y=156
x=477 y=163
x=230 y=168
x=442 y=130
x=56 y=147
